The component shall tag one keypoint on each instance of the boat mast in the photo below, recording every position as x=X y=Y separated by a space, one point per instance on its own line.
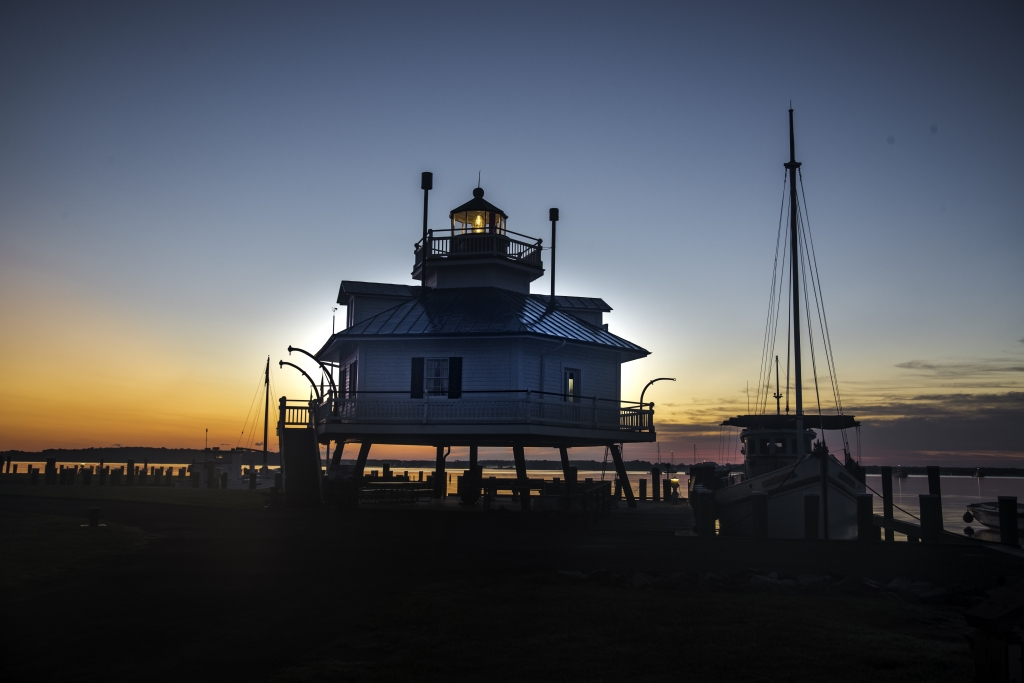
x=266 y=407
x=794 y=262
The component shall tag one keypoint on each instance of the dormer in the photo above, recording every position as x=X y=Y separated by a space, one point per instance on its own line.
x=478 y=250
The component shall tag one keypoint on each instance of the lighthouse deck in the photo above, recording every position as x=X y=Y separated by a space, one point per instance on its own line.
x=503 y=418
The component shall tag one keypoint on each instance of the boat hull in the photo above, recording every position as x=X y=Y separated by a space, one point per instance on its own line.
x=988 y=514
x=786 y=488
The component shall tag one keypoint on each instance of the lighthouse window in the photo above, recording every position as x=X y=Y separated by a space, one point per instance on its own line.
x=571 y=385
x=435 y=376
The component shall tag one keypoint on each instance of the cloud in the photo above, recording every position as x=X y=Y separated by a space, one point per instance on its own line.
x=964 y=368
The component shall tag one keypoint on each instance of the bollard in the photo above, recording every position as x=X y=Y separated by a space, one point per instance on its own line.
x=130 y=479
x=759 y=513
x=667 y=490
x=866 y=517
x=656 y=484
x=811 y=516
x=387 y=470
x=94 y=516
x=933 y=481
x=15 y=466
x=1008 y=521
x=890 y=535
x=931 y=518
x=643 y=489
x=87 y=477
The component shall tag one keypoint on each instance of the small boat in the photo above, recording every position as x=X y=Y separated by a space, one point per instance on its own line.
x=900 y=472
x=988 y=514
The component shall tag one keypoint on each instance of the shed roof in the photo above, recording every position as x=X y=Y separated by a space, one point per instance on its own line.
x=482 y=311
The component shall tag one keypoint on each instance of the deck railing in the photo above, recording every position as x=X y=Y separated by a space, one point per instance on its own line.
x=455 y=245
x=490 y=407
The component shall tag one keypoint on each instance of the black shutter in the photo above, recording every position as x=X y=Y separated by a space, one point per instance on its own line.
x=416 y=390
x=455 y=377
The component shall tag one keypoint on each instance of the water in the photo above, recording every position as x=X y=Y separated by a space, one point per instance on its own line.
x=957 y=493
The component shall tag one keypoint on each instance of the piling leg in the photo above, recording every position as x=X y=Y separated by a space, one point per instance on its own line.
x=931 y=518
x=474 y=457
x=620 y=470
x=339 y=450
x=440 y=489
x=890 y=535
x=811 y=516
x=866 y=517
x=563 y=452
x=759 y=513
x=643 y=489
x=667 y=489
x=364 y=453
x=1008 y=521
x=519 y=454
x=656 y=484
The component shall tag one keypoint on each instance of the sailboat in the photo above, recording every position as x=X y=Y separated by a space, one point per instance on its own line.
x=786 y=460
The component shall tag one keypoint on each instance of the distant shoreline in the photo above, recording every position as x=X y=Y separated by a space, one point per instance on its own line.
x=186 y=455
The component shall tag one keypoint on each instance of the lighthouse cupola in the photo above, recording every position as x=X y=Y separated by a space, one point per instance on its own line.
x=478 y=250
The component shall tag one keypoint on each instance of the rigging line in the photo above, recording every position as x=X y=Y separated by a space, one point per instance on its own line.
x=775 y=330
x=809 y=255
x=828 y=338
x=810 y=340
x=789 y=329
x=762 y=371
x=246 y=423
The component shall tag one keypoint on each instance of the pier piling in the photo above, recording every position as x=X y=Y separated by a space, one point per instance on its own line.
x=866 y=530
x=1008 y=521
x=656 y=484
x=931 y=518
x=643 y=489
x=890 y=535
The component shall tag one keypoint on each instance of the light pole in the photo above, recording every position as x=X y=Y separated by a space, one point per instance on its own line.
x=659 y=379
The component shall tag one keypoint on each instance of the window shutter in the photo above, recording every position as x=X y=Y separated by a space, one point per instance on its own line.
x=455 y=377
x=416 y=390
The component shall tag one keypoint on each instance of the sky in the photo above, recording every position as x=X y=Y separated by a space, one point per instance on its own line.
x=184 y=185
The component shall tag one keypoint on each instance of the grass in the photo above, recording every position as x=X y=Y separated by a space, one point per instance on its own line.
x=36 y=547
x=203 y=497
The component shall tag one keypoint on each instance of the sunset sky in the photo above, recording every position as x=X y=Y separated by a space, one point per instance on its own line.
x=184 y=185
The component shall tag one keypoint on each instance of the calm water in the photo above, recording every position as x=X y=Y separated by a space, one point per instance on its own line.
x=957 y=493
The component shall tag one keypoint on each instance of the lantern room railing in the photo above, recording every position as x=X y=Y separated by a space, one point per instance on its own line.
x=453 y=244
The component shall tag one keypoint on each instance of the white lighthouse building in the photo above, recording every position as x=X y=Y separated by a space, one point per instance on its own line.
x=469 y=357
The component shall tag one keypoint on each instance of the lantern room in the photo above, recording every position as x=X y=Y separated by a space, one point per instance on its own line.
x=477 y=251
x=478 y=216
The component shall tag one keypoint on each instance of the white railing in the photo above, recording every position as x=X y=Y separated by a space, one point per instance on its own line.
x=527 y=408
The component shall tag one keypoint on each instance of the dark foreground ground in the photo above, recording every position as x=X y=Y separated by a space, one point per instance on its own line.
x=221 y=589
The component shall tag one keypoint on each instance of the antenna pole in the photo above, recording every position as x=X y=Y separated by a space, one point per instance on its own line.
x=426 y=184
x=266 y=407
x=553 y=217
